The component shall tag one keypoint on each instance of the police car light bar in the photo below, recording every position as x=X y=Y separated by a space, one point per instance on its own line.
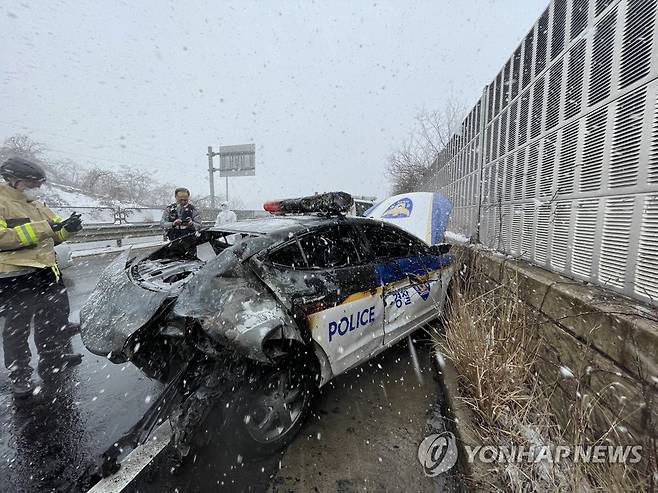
x=332 y=203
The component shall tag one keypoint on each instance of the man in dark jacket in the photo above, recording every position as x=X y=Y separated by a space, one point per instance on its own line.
x=180 y=218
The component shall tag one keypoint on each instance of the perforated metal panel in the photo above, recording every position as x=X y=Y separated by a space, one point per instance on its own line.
x=547 y=168
x=560 y=236
x=554 y=96
x=579 y=13
x=587 y=212
x=615 y=243
x=567 y=160
x=592 y=158
x=559 y=27
x=638 y=34
x=574 y=96
x=568 y=173
x=646 y=280
x=626 y=140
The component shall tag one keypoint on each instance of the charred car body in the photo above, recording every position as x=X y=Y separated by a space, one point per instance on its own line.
x=269 y=309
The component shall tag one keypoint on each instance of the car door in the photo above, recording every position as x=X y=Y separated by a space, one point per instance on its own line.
x=333 y=292
x=404 y=273
x=440 y=267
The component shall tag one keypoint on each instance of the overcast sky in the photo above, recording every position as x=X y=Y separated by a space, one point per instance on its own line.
x=326 y=90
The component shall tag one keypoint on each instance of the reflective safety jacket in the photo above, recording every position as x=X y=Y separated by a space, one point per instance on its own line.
x=26 y=239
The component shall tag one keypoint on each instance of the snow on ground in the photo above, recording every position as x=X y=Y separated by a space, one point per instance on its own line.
x=64 y=200
x=456 y=237
x=54 y=195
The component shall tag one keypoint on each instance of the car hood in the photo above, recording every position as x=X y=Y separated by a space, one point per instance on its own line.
x=116 y=309
x=120 y=305
x=234 y=306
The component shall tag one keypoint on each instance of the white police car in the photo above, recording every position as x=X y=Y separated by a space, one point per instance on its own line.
x=293 y=300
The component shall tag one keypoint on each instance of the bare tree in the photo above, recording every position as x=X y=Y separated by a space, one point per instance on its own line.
x=162 y=194
x=66 y=172
x=92 y=180
x=406 y=167
x=21 y=145
x=126 y=185
x=411 y=165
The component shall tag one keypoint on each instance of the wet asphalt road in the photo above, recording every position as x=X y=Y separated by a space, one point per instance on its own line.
x=363 y=434
x=48 y=440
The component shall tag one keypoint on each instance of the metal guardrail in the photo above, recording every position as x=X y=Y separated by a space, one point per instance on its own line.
x=123 y=229
x=116 y=232
x=120 y=232
x=119 y=223
x=108 y=215
x=121 y=215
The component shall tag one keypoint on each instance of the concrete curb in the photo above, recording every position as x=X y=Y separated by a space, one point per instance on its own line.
x=135 y=462
x=460 y=417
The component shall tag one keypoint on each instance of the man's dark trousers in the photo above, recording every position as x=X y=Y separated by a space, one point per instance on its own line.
x=41 y=297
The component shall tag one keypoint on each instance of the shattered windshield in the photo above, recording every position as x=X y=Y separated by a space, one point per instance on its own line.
x=296 y=246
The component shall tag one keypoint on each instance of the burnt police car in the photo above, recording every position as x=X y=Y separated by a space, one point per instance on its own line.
x=270 y=309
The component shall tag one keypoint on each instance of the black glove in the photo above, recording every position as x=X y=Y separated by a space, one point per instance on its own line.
x=72 y=224
x=55 y=226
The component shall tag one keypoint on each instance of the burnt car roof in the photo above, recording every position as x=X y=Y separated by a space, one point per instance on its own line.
x=283 y=225
x=279 y=229
x=268 y=225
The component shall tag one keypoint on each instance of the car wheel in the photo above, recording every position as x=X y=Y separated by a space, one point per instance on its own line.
x=274 y=408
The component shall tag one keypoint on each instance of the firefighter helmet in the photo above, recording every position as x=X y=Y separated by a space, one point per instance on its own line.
x=22 y=169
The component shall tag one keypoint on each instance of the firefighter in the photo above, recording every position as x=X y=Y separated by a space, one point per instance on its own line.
x=226 y=215
x=31 y=288
x=180 y=218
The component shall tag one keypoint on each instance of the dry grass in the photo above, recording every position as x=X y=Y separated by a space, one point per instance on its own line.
x=491 y=339
x=488 y=339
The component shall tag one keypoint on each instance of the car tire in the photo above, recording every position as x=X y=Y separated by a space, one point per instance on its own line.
x=271 y=408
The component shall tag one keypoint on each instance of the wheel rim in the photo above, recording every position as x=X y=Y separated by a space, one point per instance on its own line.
x=276 y=409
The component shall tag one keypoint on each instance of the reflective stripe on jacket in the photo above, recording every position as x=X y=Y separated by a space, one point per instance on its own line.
x=26 y=239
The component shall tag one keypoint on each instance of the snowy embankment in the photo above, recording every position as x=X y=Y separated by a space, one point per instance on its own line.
x=95 y=210
x=56 y=195
x=64 y=200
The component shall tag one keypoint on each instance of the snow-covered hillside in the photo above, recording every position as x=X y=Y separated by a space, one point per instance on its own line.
x=54 y=194
x=64 y=200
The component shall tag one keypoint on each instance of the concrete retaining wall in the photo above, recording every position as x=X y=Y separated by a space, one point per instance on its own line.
x=609 y=343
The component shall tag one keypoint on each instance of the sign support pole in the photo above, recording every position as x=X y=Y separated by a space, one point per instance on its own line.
x=211 y=177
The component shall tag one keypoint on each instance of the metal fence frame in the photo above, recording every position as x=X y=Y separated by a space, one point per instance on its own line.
x=557 y=163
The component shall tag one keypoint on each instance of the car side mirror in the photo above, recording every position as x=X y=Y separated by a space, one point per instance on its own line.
x=440 y=249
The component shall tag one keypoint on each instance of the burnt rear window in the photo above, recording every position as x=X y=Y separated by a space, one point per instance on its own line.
x=389 y=243
x=288 y=256
x=329 y=248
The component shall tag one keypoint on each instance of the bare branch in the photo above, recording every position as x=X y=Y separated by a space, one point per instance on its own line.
x=412 y=165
